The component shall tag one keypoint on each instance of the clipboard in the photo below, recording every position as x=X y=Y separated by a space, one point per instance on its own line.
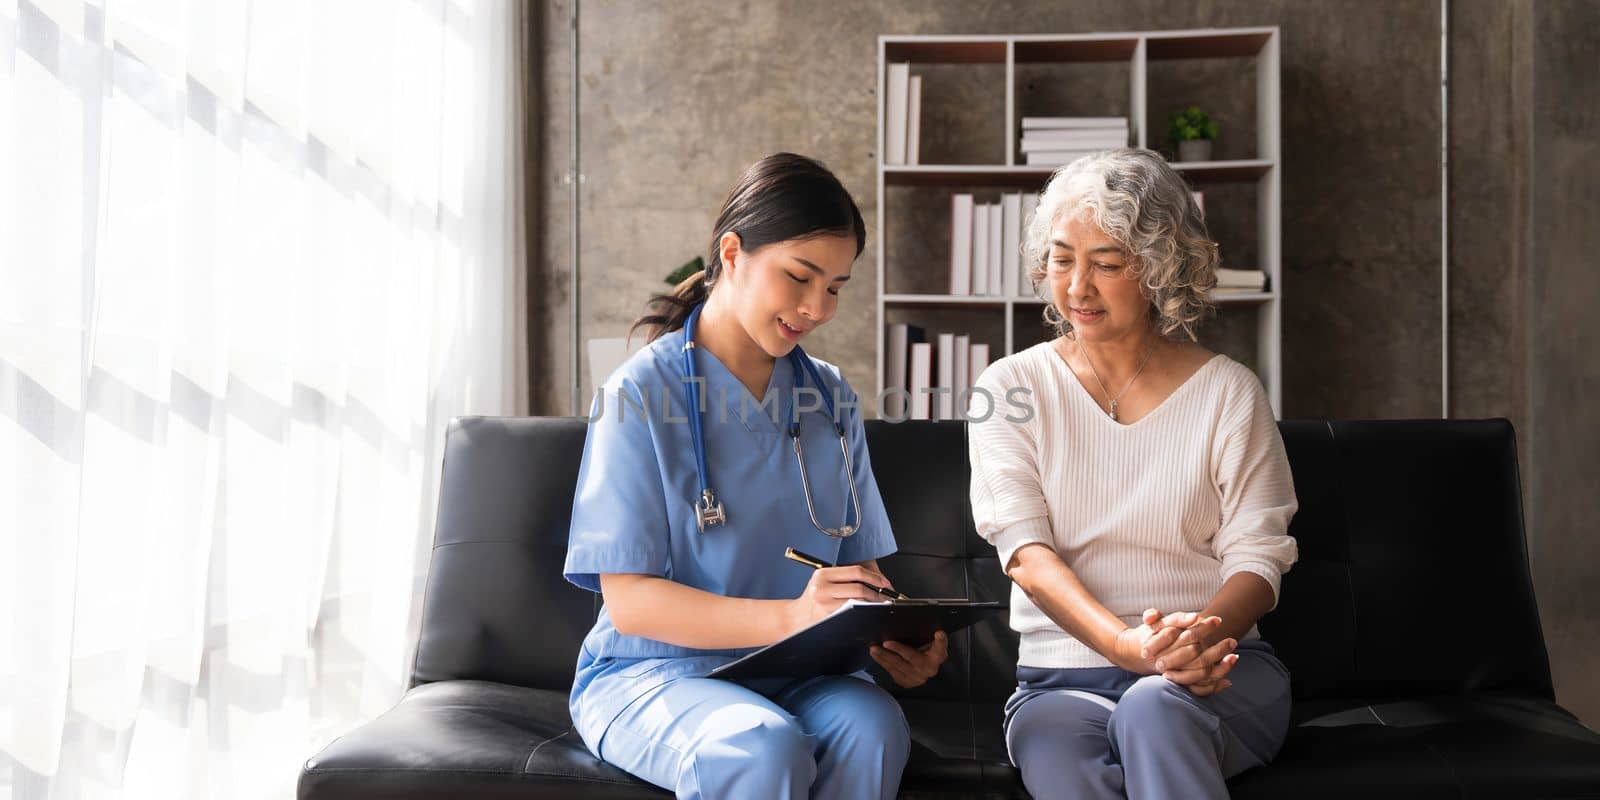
x=837 y=644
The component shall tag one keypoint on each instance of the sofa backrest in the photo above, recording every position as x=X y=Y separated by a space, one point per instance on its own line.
x=1412 y=578
x=1413 y=574
x=924 y=478
x=496 y=607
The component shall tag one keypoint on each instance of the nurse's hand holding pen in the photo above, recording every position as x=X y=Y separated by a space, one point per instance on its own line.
x=830 y=587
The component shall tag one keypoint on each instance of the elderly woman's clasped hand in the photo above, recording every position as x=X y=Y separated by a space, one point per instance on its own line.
x=1178 y=647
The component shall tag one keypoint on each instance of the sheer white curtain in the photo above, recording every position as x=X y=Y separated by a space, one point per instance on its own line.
x=254 y=254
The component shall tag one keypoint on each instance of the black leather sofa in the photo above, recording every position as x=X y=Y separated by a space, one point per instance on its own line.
x=1408 y=624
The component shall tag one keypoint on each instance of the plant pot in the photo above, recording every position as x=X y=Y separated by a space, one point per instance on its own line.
x=1194 y=150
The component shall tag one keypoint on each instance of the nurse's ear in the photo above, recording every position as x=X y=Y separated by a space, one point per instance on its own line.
x=729 y=248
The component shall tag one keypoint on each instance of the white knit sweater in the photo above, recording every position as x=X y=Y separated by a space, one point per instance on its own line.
x=1157 y=514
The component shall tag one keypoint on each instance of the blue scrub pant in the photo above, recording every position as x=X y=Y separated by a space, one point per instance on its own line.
x=1108 y=733
x=828 y=737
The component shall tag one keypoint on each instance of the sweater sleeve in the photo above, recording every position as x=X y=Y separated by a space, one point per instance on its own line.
x=1008 y=503
x=1257 y=490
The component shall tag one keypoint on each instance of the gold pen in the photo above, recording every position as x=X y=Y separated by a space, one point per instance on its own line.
x=817 y=563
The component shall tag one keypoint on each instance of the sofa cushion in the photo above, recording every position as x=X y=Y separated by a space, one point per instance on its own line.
x=1446 y=747
x=456 y=739
x=459 y=738
x=956 y=748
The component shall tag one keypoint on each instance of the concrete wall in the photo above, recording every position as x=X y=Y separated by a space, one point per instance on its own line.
x=1562 y=362
x=677 y=97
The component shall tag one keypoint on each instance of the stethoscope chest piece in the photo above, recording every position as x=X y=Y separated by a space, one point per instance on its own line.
x=708 y=512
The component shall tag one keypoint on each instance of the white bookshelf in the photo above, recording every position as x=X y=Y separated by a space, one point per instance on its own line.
x=1136 y=50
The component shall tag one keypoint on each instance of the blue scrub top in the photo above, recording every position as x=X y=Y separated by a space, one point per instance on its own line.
x=633 y=511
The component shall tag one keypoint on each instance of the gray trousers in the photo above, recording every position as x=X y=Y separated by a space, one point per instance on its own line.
x=1105 y=732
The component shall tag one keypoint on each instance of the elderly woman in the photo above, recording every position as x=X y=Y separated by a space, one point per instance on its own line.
x=1141 y=509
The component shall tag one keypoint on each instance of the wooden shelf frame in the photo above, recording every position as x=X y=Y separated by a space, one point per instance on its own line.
x=1135 y=48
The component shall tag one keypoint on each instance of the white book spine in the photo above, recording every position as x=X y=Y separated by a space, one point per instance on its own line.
x=1011 y=224
x=1054 y=157
x=921 y=373
x=1241 y=279
x=980 y=250
x=894 y=403
x=980 y=361
x=894 y=116
x=947 y=372
x=1030 y=206
x=1029 y=123
x=914 y=121
x=996 y=249
x=1074 y=134
x=961 y=244
x=1028 y=146
x=962 y=353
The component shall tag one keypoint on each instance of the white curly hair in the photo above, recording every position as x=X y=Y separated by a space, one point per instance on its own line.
x=1143 y=204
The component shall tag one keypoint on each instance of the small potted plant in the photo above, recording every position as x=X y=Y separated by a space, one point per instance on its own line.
x=682 y=273
x=1193 y=131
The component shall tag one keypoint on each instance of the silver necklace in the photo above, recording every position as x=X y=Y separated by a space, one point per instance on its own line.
x=1096 y=373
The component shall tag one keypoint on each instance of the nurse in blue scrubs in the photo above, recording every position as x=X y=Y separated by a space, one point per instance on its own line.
x=686 y=543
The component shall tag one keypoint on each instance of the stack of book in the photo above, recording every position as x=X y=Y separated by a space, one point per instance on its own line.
x=1053 y=141
x=1239 y=281
x=986 y=242
x=902 y=120
x=926 y=379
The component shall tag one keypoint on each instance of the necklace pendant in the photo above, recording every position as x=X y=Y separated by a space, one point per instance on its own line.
x=1113 y=411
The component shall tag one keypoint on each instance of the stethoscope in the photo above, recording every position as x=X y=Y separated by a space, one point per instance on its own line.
x=709 y=511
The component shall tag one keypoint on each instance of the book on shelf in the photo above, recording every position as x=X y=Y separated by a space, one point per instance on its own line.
x=1029 y=146
x=926 y=373
x=980 y=250
x=897 y=366
x=921 y=379
x=961 y=208
x=963 y=379
x=996 y=251
x=984 y=245
x=1052 y=141
x=1011 y=224
x=938 y=371
x=946 y=380
x=979 y=356
x=1030 y=123
x=1030 y=206
x=894 y=121
x=914 y=121
x=1253 y=280
x=902 y=116
x=1119 y=132
x=1072 y=140
x=1055 y=158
